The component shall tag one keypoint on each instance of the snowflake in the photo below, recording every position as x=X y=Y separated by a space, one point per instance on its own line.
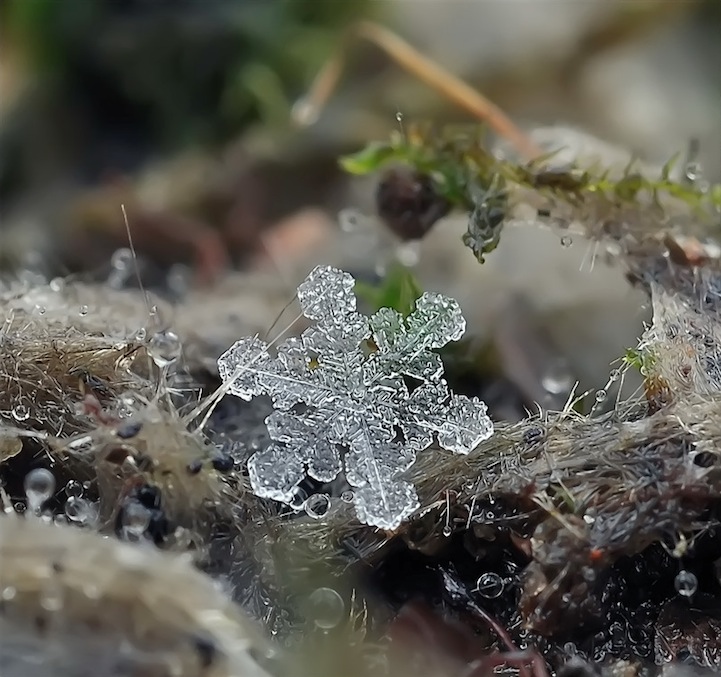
x=355 y=395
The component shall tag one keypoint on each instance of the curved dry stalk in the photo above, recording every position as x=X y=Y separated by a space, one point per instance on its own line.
x=426 y=70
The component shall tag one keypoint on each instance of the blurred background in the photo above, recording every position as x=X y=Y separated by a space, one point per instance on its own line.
x=180 y=111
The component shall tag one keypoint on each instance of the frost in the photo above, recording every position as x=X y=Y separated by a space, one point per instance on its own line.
x=356 y=395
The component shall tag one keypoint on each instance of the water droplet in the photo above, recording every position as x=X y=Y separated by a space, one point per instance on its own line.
x=489 y=585
x=348 y=220
x=601 y=395
x=164 y=348
x=447 y=531
x=557 y=379
x=304 y=112
x=347 y=496
x=39 y=487
x=40 y=310
x=140 y=335
x=566 y=241
x=135 y=520
x=615 y=375
x=51 y=598
x=692 y=171
x=80 y=510
x=685 y=583
x=122 y=260
x=409 y=253
x=399 y=117
x=326 y=607
x=83 y=311
x=20 y=412
x=74 y=489
x=317 y=505
x=588 y=574
x=57 y=284
x=8 y=593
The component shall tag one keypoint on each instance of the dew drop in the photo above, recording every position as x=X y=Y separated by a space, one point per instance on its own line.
x=57 y=284
x=557 y=379
x=347 y=496
x=685 y=583
x=692 y=171
x=489 y=585
x=74 y=489
x=39 y=487
x=39 y=310
x=566 y=241
x=304 y=112
x=348 y=220
x=317 y=505
x=20 y=412
x=164 y=348
x=326 y=607
x=409 y=253
x=615 y=375
x=447 y=531
x=122 y=260
x=135 y=520
x=80 y=510
x=8 y=593
x=601 y=395
x=51 y=598
x=83 y=311
x=399 y=117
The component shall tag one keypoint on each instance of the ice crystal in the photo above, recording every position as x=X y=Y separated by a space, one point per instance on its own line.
x=356 y=395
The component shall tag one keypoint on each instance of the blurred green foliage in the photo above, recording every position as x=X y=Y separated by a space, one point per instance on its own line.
x=197 y=70
x=398 y=289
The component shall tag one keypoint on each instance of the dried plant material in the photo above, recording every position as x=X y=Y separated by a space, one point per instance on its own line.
x=9 y=446
x=74 y=603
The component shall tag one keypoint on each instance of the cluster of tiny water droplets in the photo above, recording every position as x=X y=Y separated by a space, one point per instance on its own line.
x=79 y=510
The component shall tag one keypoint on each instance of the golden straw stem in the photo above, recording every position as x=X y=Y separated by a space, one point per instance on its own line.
x=426 y=70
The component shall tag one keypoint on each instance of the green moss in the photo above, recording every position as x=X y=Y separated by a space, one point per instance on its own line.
x=470 y=177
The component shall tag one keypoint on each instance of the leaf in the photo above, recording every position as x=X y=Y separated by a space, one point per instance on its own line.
x=372 y=158
x=399 y=290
